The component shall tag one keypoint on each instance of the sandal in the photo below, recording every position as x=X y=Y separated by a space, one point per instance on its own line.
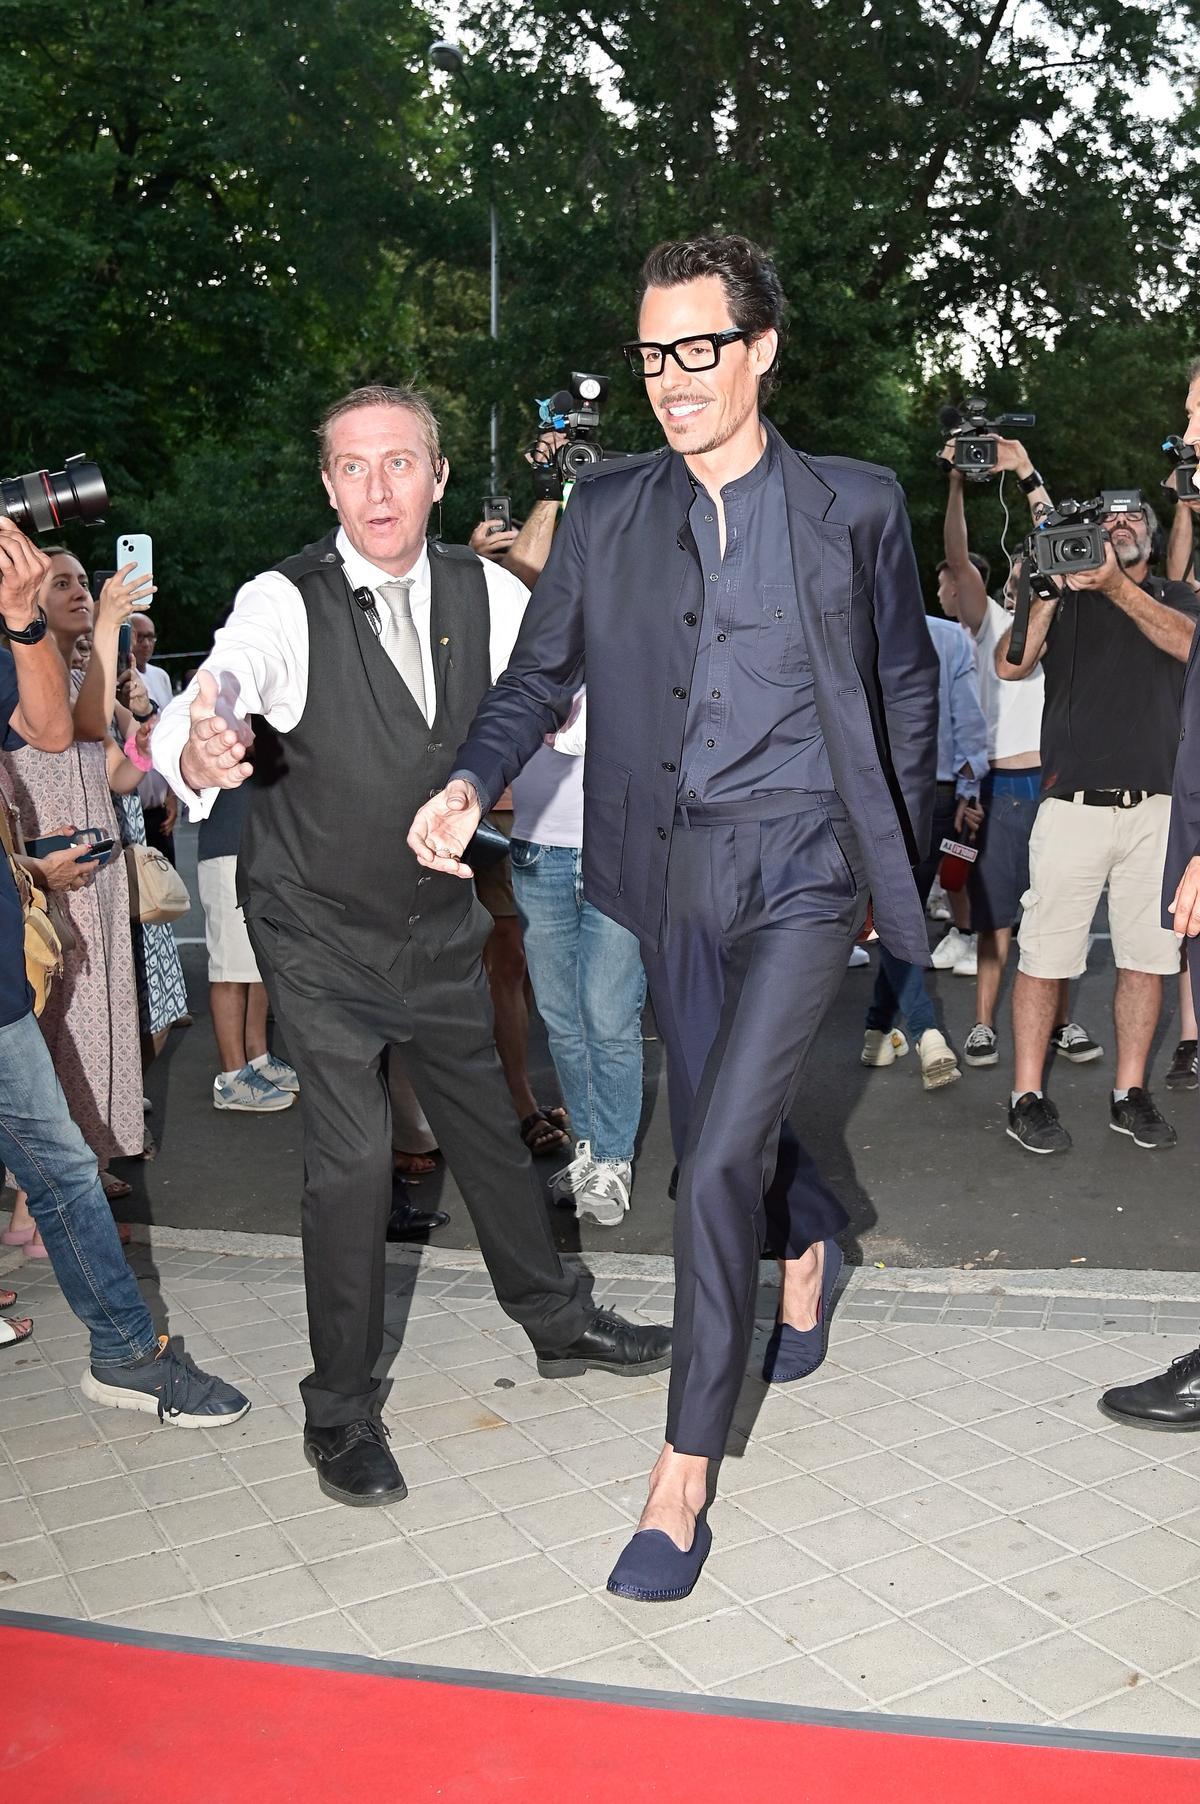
x=543 y=1136
x=18 y=1237
x=7 y=1298
x=414 y=1165
x=13 y=1333
x=115 y=1188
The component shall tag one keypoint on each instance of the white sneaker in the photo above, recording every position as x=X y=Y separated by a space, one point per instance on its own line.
x=604 y=1194
x=570 y=1179
x=881 y=1048
x=939 y=1066
x=858 y=956
x=938 y=907
x=968 y=964
x=950 y=948
x=278 y=1072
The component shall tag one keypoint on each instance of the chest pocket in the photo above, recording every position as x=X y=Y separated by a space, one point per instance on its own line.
x=782 y=651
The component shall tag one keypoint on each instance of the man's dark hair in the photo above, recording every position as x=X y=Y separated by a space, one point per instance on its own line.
x=752 y=288
x=981 y=564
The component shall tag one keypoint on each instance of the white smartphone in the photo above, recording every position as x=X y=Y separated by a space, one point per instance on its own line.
x=136 y=548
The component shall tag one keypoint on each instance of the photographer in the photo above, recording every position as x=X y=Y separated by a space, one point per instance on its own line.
x=1113 y=645
x=1000 y=875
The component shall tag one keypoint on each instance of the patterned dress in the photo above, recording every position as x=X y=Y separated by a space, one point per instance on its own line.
x=91 y=1020
x=161 y=991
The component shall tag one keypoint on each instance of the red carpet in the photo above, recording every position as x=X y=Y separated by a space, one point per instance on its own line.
x=90 y=1719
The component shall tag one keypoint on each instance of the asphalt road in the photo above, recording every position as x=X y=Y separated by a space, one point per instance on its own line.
x=928 y=1180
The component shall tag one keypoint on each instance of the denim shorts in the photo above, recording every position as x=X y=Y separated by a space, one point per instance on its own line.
x=1000 y=875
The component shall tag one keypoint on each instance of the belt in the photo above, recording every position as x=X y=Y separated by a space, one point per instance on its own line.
x=1108 y=798
x=757 y=808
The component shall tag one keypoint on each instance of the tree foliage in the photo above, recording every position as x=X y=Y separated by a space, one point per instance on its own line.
x=210 y=224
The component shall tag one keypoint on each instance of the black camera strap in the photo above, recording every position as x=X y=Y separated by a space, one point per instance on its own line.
x=1019 y=631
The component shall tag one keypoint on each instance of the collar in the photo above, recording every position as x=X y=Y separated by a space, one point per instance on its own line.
x=365 y=575
x=807 y=492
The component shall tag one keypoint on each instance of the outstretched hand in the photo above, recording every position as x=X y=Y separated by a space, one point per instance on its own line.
x=1185 y=903
x=444 y=827
x=214 y=756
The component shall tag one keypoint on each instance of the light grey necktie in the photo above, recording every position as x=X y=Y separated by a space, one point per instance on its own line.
x=401 y=640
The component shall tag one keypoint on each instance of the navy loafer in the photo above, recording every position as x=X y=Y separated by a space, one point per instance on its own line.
x=652 y=1570
x=796 y=1352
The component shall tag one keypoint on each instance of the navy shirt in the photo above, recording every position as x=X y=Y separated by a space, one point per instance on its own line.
x=16 y=997
x=752 y=725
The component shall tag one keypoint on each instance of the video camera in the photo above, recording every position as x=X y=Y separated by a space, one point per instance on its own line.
x=575 y=412
x=1065 y=543
x=1185 y=458
x=45 y=499
x=975 y=435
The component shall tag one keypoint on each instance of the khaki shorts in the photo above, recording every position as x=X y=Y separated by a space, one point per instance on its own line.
x=494 y=886
x=1074 y=851
x=230 y=955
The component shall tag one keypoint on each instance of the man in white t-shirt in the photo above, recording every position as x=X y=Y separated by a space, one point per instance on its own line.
x=1012 y=789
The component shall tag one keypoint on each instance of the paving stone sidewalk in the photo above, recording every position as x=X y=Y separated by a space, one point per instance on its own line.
x=939 y=1523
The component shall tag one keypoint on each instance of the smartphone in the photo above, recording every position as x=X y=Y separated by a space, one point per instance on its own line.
x=100 y=842
x=124 y=647
x=99 y=578
x=136 y=548
x=498 y=508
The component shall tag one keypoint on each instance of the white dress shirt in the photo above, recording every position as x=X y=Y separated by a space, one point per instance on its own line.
x=260 y=655
x=152 y=790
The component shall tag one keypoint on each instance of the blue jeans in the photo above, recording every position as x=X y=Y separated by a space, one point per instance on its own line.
x=899 y=987
x=587 y=977
x=50 y=1160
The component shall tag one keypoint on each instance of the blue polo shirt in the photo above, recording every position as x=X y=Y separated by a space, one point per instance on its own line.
x=16 y=997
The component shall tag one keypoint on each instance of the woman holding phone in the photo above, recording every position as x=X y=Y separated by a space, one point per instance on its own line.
x=91 y=1020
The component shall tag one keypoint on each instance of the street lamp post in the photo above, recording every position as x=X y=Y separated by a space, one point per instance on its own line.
x=449 y=57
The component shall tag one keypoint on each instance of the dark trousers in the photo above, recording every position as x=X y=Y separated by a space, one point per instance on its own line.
x=339 y=1018
x=155 y=836
x=760 y=918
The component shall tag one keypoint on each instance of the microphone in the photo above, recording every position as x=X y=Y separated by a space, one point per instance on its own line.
x=949 y=418
x=561 y=402
x=365 y=599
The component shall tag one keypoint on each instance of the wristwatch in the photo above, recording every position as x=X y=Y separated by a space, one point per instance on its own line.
x=28 y=635
x=1027 y=484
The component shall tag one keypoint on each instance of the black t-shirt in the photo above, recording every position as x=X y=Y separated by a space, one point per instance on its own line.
x=16 y=997
x=1111 y=714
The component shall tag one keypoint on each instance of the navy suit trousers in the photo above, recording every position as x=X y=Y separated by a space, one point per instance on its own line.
x=760 y=918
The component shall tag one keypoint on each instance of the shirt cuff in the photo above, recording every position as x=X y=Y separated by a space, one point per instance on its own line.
x=468 y=776
x=166 y=748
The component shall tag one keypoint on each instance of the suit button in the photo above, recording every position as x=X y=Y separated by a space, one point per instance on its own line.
x=691 y=795
x=662 y=833
x=716 y=695
x=689 y=620
x=713 y=577
x=434 y=748
x=710 y=743
x=679 y=694
x=413 y=919
x=721 y=638
x=424 y=879
x=668 y=767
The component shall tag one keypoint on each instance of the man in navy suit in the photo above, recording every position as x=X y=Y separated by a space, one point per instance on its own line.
x=1172 y=1398
x=762 y=741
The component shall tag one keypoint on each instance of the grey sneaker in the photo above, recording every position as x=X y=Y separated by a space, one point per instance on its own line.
x=280 y=1073
x=566 y=1183
x=604 y=1194
x=167 y=1384
x=249 y=1091
x=979 y=1047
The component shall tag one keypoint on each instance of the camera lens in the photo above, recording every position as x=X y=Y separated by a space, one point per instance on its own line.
x=579 y=455
x=1074 y=551
x=46 y=499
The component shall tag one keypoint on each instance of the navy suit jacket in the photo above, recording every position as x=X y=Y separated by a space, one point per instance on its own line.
x=622 y=592
x=1183 y=841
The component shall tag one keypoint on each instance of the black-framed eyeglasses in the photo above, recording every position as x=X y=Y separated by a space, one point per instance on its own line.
x=700 y=352
x=1136 y=516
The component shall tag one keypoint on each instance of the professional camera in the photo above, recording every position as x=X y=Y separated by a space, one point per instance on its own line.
x=1064 y=543
x=47 y=499
x=1185 y=458
x=975 y=435
x=575 y=412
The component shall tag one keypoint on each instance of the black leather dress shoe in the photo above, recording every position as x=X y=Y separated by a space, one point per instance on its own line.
x=407 y=1222
x=1171 y=1400
x=610 y=1344
x=353 y=1463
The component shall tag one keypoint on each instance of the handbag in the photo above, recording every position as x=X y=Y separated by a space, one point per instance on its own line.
x=156 y=890
x=43 y=948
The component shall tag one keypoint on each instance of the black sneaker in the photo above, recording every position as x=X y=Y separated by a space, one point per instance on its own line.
x=169 y=1385
x=1137 y=1116
x=979 y=1047
x=1182 y=1075
x=1033 y=1121
x=1070 y=1041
